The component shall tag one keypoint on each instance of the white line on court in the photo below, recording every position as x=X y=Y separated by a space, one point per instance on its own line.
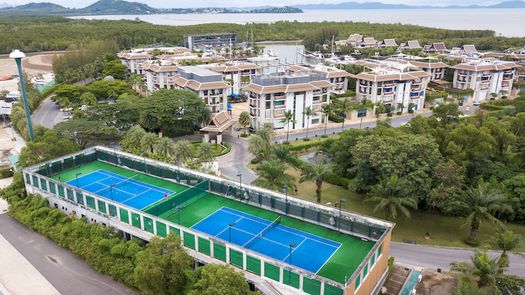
x=328 y=259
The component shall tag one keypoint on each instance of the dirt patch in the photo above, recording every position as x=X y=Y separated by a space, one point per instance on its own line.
x=435 y=283
x=33 y=65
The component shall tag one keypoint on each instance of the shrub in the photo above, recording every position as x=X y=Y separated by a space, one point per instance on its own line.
x=5 y=173
x=338 y=180
x=335 y=118
x=471 y=242
x=305 y=145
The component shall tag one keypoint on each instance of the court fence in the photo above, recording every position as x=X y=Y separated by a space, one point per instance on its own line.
x=39 y=175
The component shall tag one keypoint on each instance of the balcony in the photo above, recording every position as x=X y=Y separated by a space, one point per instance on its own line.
x=279 y=97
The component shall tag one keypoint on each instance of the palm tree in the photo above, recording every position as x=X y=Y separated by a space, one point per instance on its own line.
x=88 y=98
x=271 y=174
x=260 y=143
x=345 y=107
x=245 y=119
x=287 y=120
x=481 y=203
x=149 y=142
x=182 y=151
x=308 y=112
x=484 y=268
x=131 y=141
x=165 y=147
x=206 y=152
x=506 y=241
x=391 y=197
x=318 y=173
x=326 y=109
x=467 y=286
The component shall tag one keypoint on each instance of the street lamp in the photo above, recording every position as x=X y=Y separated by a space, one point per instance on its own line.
x=292 y=245
x=240 y=184
x=230 y=225
x=111 y=191
x=17 y=55
x=341 y=201
x=76 y=177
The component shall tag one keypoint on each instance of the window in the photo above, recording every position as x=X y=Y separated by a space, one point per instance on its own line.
x=315 y=121
x=358 y=281
x=379 y=250
x=365 y=271
x=373 y=260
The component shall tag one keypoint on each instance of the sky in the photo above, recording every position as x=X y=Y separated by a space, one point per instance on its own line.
x=251 y=3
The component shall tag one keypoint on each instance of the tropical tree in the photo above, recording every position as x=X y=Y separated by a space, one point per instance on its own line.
x=485 y=269
x=182 y=151
x=345 y=106
x=88 y=98
x=219 y=279
x=131 y=141
x=308 y=112
x=467 y=286
x=260 y=143
x=480 y=203
x=506 y=241
x=318 y=173
x=165 y=147
x=148 y=142
x=245 y=119
x=287 y=120
x=206 y=152
x=272 y=174
x=390 y=196
x=326 y=109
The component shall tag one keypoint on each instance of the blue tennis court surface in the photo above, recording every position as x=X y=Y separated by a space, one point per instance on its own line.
x=309 y=252
x=127 y=191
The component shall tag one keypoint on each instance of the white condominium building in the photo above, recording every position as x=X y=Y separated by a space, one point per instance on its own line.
x=157 y=75
x=134 y=61
x=236 y=73
x=486 y=77
x=334 y=75
x=393 y=85
x=270 y=96
x=207 y=84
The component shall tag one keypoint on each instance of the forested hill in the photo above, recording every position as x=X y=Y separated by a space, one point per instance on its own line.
x=119 y=7
x=43 y=33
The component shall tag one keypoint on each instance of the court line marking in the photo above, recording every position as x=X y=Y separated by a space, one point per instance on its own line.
x=228 y=227
x=328 y=259
x=136 y=182
x=73 y=181
x=284 y=260
x=297 y=232
x=207 y=217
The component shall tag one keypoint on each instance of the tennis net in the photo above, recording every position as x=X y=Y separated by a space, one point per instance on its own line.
x=180 y=200
x=265 y=230
x=119 y=184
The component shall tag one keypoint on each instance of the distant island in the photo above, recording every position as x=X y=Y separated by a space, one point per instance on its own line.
x=380 y=5
x=120 y=7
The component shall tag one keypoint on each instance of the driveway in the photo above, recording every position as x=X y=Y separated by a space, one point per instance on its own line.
x=235 y=161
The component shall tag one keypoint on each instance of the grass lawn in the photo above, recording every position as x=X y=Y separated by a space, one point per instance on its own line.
x=218 y=150
x=445 y=230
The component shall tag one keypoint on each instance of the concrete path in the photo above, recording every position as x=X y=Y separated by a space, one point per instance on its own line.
x=47 y=114
x=235 y=161
x=438 y=257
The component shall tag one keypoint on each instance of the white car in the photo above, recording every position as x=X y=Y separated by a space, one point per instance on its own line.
x=66 y=109
x=67 y=118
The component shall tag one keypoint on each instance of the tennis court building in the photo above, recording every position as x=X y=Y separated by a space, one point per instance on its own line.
x=283 y=245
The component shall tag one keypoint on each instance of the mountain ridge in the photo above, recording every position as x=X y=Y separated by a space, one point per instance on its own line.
x=381 y=5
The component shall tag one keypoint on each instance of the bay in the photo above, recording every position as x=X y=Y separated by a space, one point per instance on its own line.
x=506 y=22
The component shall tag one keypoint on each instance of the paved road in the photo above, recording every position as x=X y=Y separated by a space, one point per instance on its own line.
x=68 y=273
x=235 y=162
x=436 y=257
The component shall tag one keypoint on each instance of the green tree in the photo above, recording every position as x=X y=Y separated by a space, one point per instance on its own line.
x=132 y=139
x=467 y=287
x=308 y=112
x=48 y=144
x=206 y=152
x=287 y=120
x=390 y=196
x=183 y=151
x=326 y=109
x=165 y=148
x=480 y=203
x=88 y=98
x=148 y=142
x=272 y=174
x=485 y=269
x=219 y=279
x=317 y=173
x=115 y=69
x=345 y=106
x=85 y=132
x=245 y=120
x=506 y=241
x=163 y=267
x=260 y=143
x=447 y=113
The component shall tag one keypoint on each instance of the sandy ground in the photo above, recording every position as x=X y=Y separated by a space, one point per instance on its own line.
x=33 y=65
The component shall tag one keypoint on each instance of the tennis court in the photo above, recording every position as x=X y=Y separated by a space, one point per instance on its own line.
x=126 y=190
x=272 y=239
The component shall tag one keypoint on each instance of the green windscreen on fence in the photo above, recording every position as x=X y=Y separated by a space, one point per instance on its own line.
x=331 y=290
x=52 y=188
x=70 y=194
x=236 y=258
x=204 y=246
x=148 y=224
x=135 y=220
x=90 y=202
x=180 y=200
x=43 y=184
x=271 y=271
x=189 y=240
x=112 y=210
x=174 y=230
x=80 y=198
x=61 y=191
x=101 y=206
x=219 y=252
x=124 y=215
x=311 y=286
x=291 y=278
x=161 y=229
x=253 y=265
